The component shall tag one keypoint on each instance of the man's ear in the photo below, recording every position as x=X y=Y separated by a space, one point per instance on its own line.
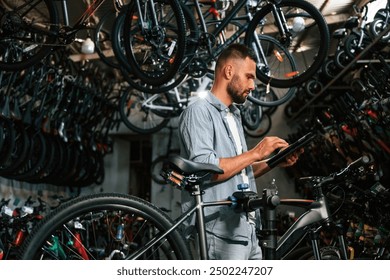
x=228 y=71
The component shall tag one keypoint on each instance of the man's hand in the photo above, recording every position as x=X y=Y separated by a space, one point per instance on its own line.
x=291 y=159
x=267 y=146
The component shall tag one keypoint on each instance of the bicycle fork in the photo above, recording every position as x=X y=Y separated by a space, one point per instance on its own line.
x=314 y=235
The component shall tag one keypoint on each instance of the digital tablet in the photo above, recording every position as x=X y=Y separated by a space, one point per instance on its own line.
x=281 y=156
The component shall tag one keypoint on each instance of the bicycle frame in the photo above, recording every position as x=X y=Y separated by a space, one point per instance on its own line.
x=307 y=223
x=317 y=212
x=223 y=23
x=82 y=22
x=198 y=209
x=179 y=102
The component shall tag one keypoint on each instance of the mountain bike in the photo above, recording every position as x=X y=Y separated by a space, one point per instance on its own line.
x=278 y=31
x=119 y=226
x=31 y=29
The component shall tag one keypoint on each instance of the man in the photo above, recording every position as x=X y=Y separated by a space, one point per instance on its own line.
x=210 y=131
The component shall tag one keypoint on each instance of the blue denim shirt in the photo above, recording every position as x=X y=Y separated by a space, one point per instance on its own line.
x=204 y=136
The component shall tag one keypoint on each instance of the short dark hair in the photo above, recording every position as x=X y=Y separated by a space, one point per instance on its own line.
x=235 y=50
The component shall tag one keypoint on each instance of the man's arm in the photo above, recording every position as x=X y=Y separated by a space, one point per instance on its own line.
x=255 y=156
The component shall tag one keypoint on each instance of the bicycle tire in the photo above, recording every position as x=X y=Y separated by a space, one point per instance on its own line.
x=20 y=149
x=251 y=115
x=342 y=59
x=307 y=18
x=376 y=27
x=102 y=38
x=8 y=141
x=351 y=44
x=313 y=87
x=56 y=163
x=119 y=51
x=306 y=253
x=37 y=42
x=297 y=253
x=273 y=98
x=330 y=69
x=138 y=117
x=267 y=99
x=262 y=129
x=155 y=53
x=105 y=210
x=36 y=157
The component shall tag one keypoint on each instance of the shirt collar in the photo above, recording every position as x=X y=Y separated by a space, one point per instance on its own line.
x=214 y=101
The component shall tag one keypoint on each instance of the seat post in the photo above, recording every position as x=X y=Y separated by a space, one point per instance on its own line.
x=197 y=193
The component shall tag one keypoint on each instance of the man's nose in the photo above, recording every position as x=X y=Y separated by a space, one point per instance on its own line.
x=252 y=85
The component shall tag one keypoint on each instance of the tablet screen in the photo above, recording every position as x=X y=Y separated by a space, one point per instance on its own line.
x=280 y=157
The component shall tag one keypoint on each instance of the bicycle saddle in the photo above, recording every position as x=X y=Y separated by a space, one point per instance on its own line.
x=190 y=167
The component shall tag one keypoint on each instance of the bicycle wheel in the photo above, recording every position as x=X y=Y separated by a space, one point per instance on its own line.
x=306 y=253
x=342 y=59
x=263 y=128
x=304 y=23
x=120 y=55
x=7 y=141
x=104 y=227
x=251 y=115
x=137 y=113
x=154 y=40
x=354 y=45
x=20 y=148
x=102 y=39
x=274 y=60
x=27 y=31
x=313 y=87
x=35 y=159
x=330 y=69
x=271 y=97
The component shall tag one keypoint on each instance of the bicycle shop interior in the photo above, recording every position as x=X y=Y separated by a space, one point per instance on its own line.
x=347 y=105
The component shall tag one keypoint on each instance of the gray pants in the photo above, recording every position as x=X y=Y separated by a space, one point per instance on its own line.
x=227 y=249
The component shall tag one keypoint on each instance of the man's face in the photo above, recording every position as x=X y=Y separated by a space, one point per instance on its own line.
x=242 y=82
x=236 y=91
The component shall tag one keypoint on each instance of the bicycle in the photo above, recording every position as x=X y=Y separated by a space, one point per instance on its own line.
x=31 y=29
x=274 y=29
x=147 y=113
x=45 y=137
x=119 y=226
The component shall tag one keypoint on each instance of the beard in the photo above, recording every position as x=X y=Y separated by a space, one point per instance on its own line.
x=235 y=92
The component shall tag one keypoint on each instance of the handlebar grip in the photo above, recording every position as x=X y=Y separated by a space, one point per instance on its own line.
x=359 y=162
x=363 y=160
x=254 y=204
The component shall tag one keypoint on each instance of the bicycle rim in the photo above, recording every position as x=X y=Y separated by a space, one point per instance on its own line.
x=271 y=97
x=27 y=33
x=125 y=68
x=303 y=22
x=102 y=39
x=263 y=128
x=104 y=227
x=138 y=117
x=156 y=51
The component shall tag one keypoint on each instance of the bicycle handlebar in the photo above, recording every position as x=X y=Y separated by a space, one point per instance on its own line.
x=249 y=201
x=364 y=160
